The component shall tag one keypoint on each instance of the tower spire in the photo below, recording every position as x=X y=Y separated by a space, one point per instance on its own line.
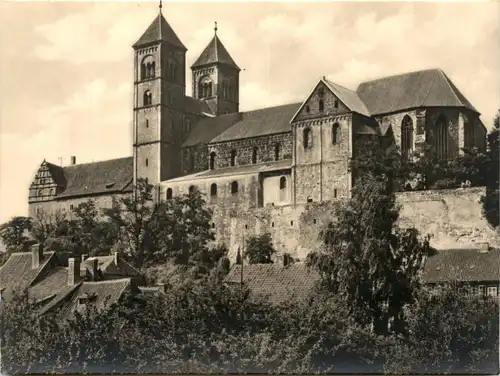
x=160 y=6
x=215 y=28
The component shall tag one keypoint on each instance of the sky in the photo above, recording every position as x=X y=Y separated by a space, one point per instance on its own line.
x=66 y=67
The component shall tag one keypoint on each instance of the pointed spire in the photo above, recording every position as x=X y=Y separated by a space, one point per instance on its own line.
x=159 y=31
x=160 y=6
x=215 y=53
x=215 y=28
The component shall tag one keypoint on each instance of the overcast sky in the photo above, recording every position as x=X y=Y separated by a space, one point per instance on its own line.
x=66 y=67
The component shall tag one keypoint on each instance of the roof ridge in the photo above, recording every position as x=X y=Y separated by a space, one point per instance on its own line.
x=451 y=88
x=336 y=84
x=103 y=161
x=397 y=75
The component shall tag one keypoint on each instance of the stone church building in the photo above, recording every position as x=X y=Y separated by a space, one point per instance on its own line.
x=249 y=162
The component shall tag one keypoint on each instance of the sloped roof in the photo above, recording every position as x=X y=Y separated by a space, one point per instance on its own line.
x=159 y=31
x=196 y=106
x=207 y=129
x=215 y=53
x=426 y=88
x=262 y=122
x=17 y=273
x=348 y=97
x=274 y=282
x=113 y=175
x=108 y=265
x=237 y=170
x=465 y=265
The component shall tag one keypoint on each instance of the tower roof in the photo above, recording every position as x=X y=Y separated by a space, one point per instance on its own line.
x=159 y=31
x=215 y=53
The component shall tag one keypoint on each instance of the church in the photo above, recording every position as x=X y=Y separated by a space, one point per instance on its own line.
x=269 y=160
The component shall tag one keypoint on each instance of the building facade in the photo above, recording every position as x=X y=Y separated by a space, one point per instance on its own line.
x=282 y=156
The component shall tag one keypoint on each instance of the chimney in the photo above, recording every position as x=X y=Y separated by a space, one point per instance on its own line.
x=73 y=160
x=36 y=255
x=73 y=271
x=93 y=268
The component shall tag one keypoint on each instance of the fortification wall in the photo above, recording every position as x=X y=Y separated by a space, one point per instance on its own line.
x=452 y=217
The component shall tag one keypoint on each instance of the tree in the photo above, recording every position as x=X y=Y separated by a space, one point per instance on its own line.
x=259 y=249
x=490 y=202
x=13 y=233
x=368 y=261
x=48 y=225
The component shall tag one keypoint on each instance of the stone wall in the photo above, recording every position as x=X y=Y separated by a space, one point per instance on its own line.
x=452 y=217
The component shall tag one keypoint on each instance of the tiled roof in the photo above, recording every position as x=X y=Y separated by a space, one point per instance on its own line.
x=274 y=282
x=57 y=174
x=426 y=88
x=108 y=265
x=215 y=52
x=109 y=176
x=53 y=283
x=465 y=265
x=348 y=97
x=196 y=106
x=237 y=170
x=159 y=31
x=262 y=122
x=106 y=292
x=209 y=128
x=17 y=273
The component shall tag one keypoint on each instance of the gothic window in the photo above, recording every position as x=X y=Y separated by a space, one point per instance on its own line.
x=147 y=68
x=441 y=138
x=147 y=98
x=169 y=193
x=213 y=190
x=407 y=138
x=277 y=151
x=254 y=155
x=233 y=157
x=205 y=87
x=321 y=105
x=335 y=133
x=234 y=187
x=469 y=133
x=212 y=161
x=306 y=136
x=282 y=182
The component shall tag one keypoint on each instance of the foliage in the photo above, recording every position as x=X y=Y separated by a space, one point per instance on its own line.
x=490 y=202
x=259 y=249
x=13 y=233
x=368 y=261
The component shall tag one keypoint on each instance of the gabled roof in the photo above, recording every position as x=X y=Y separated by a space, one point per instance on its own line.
x=464 y=265
x=348 y=97
x=262 y=122
x=207 y=129
x=113 y=175
x=159 y=31
x=196 y=106
x=110 y=265
x=215 y=53
x=426 y=88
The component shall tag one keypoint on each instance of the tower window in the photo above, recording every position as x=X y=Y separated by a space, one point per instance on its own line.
x=335 y=130
x=321 y=105
x=147 y=68
x=147 y=123
x=212 y=161
x=282 y=182
x=234 y=187
x=213 y=190
x=306 y=136
x=254 y=155
x=233 y=157
x=147 y=162
x=147 y=98
x=277 y=151
x=169 y=193
x=205 y=87
x=171 y=71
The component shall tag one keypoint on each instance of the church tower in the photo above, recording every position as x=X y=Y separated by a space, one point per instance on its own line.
x=159 y=92
x=216 y=78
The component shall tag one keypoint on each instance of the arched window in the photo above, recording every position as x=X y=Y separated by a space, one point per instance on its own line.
x=306 y=137
x=147 y=67
x=169 y=193
x=147 y=98
x=407 y=138
x=234 y=187
x=205 y=87
x=192 y=188
x=277 y=151
x=282 y=182
x=441 y=138
x=212 y=161
x=469 y=133
x=335 y=133
x=233 y=157
x=321 y=105
x=213 y=190
x=254 y=155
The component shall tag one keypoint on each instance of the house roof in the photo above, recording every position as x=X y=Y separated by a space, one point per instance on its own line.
x=262 y=122
x=274 y=282
x=348 y=97
x=159 y=31
x=464 y=265
x=114 y=175
x=426 y=88
x=108 y=265
x=196 y=106
x=237 y=170
x=207 y=129
x=215 y=53
x=17 y=273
